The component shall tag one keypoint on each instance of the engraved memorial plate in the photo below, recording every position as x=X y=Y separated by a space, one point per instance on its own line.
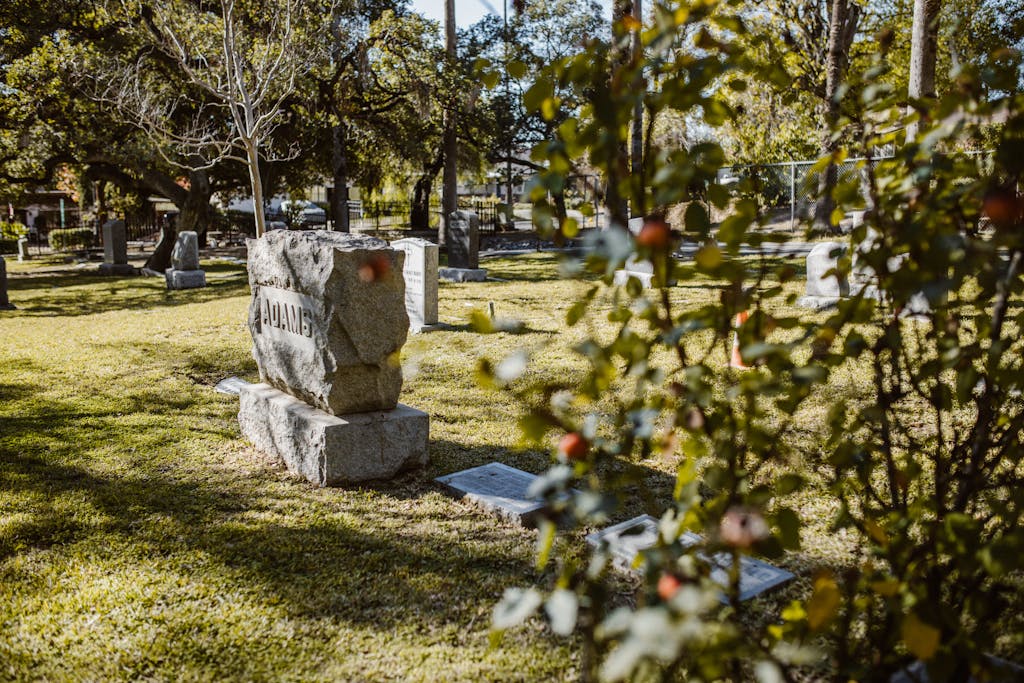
x=498 y=488
x=627 y=539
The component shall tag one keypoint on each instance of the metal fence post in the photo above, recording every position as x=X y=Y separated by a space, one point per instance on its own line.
x=792 y=196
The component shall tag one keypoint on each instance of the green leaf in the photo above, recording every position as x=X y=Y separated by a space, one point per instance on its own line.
x=920 y=638
x=516 y=69
x=789 y=528
x=545 y=541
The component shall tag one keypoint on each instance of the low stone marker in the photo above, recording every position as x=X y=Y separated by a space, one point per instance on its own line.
x=184 y=272
x=23 y=254
x=420 y=273
x=115 y=250
x=498 y=488
x=626 y=539
x=641 y=270
x=5 y=303
x=328 y=321
x=231 y=385
x=824 y=291
x=463 y=240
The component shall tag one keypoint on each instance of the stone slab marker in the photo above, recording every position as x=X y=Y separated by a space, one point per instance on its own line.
x=115 y=249
x=184 y=272
x=5 y=303
x=498 y=488
x=463 y=240
x=626 y=539
x=824 y=290
x=328 y=320
x=420 y=273
x=23 y=254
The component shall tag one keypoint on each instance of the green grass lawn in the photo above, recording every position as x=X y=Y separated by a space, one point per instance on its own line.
x=141 y=537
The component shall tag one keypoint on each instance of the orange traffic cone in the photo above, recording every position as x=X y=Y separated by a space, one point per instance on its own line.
x=736 y=361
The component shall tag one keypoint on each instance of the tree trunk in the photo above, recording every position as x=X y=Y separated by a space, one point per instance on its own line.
x=419 y=217
x=252 y=154
x=923 y=46
x=339 y=163
x=618 y=206
x=194 y=214
x=637 y=151
x=449 y=196
x=842 y=26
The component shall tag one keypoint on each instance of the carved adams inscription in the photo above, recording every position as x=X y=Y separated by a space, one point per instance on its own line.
x=287 y=316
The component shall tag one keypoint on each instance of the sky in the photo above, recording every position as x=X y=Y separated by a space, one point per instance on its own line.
x=467 y=12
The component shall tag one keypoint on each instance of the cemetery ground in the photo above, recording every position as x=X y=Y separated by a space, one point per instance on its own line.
x=141 y=537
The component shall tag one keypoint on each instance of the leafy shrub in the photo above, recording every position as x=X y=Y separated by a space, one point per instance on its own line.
x=71 y=238
x=906 y=428
x=12 y=230
x=8 y=246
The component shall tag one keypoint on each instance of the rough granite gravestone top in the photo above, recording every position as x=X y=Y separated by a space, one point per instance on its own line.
x=328 y=318
x=420 y=274
x=626 y=539
x=186 y=251
x=498 y=488
x=5 y=303
x=463 y=240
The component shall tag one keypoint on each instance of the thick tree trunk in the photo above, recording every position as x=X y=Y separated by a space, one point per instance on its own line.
x=339 y=164
x=449 y=196
x=637 y=141
x=419 y=217
x=618 y=205
x=843 y=20
x=252 y=153
x=924 y=40
x=194 y=214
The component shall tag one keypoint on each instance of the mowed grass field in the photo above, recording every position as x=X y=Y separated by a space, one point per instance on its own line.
x=142 y=538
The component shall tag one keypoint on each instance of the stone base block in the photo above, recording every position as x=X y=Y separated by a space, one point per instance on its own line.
x=621 y=277
x=185 y=279
x=462 y=274
x=330 y=450
x=818 y=303
x=118 y=269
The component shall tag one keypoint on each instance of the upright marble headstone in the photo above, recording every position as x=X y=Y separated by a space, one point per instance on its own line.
x=23 y=254
x=420 y=274
x=328 y=321
x=824 y=287
x=184 y=272
x=5 y=303
x=115 y=249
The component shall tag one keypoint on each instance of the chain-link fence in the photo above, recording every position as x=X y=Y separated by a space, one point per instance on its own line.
x=788 y=191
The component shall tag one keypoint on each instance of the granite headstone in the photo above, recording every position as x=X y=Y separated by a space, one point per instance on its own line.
x=824 y=288
x=115 y=249
x=5 y=303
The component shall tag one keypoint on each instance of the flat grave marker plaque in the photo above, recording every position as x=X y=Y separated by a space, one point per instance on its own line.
x=626 y=539
x=498 y=488
x=231 y=385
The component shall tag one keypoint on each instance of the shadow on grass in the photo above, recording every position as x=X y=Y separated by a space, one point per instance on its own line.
x=79 y=293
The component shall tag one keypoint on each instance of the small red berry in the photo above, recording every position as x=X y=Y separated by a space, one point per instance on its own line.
x=573 y=446
x=654 y=235
x=668 y=586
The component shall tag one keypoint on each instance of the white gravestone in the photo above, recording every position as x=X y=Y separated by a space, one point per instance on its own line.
x=328 y=321
x=184 y=272
x=627 y=539
x=23 y=254
x=824 y=288
x=420 y=273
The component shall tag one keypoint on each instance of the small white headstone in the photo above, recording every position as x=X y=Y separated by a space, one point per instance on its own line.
x=420 y=273
x=627 y=539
